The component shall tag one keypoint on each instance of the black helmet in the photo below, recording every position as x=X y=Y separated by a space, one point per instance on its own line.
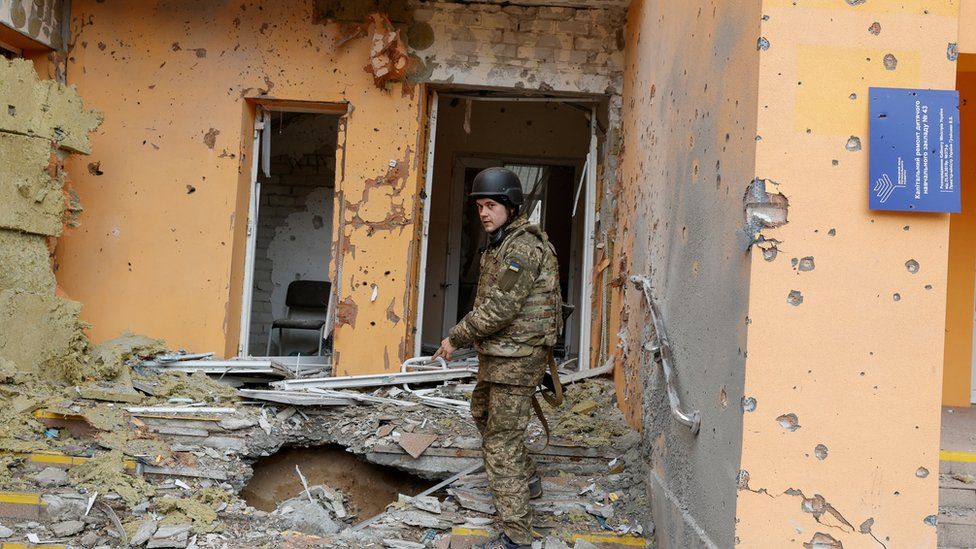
x=499 y=184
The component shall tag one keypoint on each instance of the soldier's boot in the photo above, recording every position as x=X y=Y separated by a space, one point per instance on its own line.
x=535 y=487
x=501 y=542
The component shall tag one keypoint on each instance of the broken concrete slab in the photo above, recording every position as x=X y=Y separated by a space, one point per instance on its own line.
x=144 y=532
x=26 y=263
x=415 y=443
x=44 y=109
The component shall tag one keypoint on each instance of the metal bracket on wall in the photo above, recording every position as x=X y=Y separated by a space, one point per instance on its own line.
x=660 y=349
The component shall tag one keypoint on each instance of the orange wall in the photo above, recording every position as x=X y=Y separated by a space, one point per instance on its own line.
x=961 y=283
x=151 y=258
x=860 y=370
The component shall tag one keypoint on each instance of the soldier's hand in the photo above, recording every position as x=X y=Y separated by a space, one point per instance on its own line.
x=445 y=350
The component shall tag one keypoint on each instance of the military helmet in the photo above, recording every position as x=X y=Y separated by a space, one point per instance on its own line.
x=500 y=185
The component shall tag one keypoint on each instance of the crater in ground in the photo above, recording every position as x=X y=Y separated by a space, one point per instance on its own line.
x=370 y=488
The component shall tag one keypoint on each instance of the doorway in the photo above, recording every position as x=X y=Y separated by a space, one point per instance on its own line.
x=547 y=143
x=289 y=231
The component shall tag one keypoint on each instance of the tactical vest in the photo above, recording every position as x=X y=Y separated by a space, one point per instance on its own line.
x=539 y=322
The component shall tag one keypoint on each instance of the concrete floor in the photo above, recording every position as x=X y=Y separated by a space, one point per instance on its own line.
x=958 y=429
x=957 y=478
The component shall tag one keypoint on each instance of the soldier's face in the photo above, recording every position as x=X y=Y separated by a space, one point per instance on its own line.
x=493 y=214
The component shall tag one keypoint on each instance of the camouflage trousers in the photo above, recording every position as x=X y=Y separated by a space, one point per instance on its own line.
x=502 y=412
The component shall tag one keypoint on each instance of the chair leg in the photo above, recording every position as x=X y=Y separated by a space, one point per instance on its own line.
x=321 y=338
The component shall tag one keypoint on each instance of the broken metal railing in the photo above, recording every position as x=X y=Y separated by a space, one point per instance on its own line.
x=375 y=380
x=660 y=348
x=430 y=364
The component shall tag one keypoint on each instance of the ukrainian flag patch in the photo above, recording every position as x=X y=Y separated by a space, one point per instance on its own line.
x=514 y=266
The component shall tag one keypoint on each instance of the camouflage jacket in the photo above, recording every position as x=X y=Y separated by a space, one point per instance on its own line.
x=517 y=306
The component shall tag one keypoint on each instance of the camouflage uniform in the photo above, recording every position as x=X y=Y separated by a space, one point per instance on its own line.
x=513 y=326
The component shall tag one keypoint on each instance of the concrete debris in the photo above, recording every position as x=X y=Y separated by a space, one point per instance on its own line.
x=51 y=476
x=68 y=528
x=144 y=532
x=310 y=517
x=416 y=443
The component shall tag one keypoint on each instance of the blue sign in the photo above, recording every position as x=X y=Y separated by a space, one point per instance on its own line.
x=914 y=150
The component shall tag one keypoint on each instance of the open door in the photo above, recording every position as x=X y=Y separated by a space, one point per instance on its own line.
x=551 y=144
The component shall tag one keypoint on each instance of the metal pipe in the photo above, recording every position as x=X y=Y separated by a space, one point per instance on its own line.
x=376 y=380
x=662 y=348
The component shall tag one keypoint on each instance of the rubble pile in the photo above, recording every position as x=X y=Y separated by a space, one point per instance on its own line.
x=102 y=463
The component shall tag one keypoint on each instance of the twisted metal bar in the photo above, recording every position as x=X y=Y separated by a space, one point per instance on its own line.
x=660 y=346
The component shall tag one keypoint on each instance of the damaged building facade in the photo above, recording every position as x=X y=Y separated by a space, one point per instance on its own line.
x=701 y=169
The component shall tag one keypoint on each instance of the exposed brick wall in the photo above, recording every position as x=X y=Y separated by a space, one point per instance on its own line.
x=538 y=48
x=286 y=192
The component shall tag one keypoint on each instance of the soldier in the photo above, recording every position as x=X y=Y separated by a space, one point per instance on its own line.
x=513 y=326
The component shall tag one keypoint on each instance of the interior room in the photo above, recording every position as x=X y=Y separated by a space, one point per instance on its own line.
x=545 y=142
x=294 y=234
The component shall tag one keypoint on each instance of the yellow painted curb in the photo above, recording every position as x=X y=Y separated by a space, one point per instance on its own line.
x=952 y=455
x=459 y=531
x=56 y=458
x=21 y=498
x=629 y=541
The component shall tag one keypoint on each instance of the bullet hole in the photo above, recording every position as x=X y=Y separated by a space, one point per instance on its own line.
x=723 y=397
x=102 y=46
x=742 y=480
x=855 y=2
x=852 y=97
x=770 y=253
x=896 y=297
x=806 y=264
x=94 y=168
x=201 y=52
x=762 y=44
x=190 y=189
x=834 y=162
x=317 y=222
x=820 y=451
x=928 y=286
x=748 y=404
x=905 y=228
x=921 y=472
x=853 y=144
x=11 y=110
x=865 y=527
x=372 y=323
x=875 y=28
x=832 y=232
x=952 y=51
x=931 y=520
x=758 y=138
x=795 y=298
x=793 y=262
x=912 y=266
x=890 y=62
x=789 y=422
